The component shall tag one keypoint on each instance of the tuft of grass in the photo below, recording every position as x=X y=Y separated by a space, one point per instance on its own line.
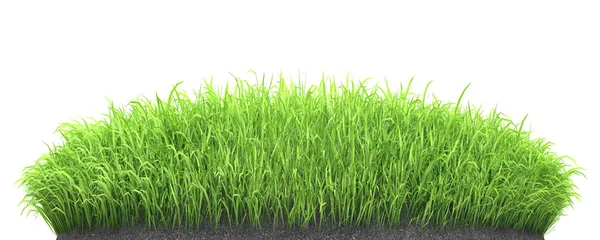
x=330 y=154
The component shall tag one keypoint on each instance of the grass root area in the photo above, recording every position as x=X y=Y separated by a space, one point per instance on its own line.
x=405 y=232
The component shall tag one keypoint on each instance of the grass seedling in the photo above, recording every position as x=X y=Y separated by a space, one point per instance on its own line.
x=330 y=154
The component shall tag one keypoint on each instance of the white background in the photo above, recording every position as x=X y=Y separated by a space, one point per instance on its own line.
x=60 y=59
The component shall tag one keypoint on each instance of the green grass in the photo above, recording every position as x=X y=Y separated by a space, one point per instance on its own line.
x=325 y=155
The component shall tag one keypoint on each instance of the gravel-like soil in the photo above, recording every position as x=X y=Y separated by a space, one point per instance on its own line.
x=406 y=232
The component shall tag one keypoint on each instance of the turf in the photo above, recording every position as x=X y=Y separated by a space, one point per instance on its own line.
x=284 y=154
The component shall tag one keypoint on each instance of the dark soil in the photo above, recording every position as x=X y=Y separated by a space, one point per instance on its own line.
x=224 y=232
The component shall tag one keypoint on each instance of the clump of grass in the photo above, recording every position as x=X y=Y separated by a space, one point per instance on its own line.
x=346 y=155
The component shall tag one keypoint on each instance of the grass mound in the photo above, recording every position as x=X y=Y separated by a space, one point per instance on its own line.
x=345 y=155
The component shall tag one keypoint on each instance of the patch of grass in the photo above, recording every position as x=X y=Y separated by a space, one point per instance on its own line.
x=342 y=154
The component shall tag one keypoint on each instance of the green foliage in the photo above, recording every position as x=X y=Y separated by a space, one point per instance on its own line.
x=334 y=154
